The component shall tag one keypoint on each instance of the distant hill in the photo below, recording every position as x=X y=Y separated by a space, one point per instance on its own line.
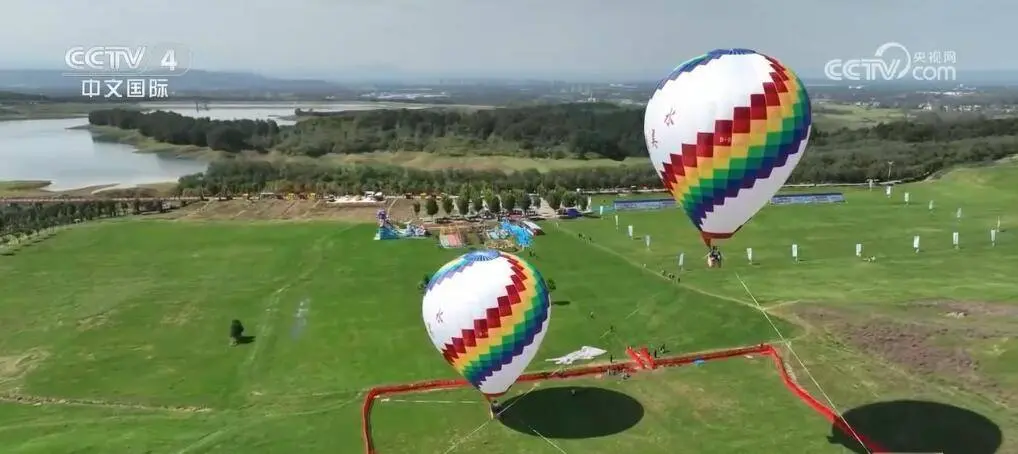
x=986 y=78
x=54 y=82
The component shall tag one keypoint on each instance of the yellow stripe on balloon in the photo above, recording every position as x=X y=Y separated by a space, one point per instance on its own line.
x=496 y=336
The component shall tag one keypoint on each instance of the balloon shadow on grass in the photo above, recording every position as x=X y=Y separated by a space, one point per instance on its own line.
x=560 y=303
x=919 y=426
x=571 y=412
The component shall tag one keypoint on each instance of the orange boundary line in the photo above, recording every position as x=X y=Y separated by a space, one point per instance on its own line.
x=632 y=367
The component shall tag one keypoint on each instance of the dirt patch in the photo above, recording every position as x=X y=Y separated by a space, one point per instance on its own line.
x=181 y=317
x=916 y=346
x=293 y=210
x=972 y=308
x=14 y=367
x=939 y=348
x=93 y=322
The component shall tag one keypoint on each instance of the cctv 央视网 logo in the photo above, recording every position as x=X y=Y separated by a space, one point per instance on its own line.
x=892 y=61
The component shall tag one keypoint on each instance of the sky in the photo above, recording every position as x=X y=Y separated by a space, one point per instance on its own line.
x=510 y=38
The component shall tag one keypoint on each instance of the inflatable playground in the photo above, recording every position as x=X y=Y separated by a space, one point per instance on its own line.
x=504 y=235
x=388 y=231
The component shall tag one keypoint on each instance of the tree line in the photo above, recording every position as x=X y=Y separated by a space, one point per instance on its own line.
x=170 y=127
x=21 y=220
x=559 y=130
x=854 y=163
x=471 y=200
x=240 y=176
x=917 y=149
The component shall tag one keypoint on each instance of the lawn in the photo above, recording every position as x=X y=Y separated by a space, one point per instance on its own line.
x=837 y=116
x=114 y=333
x=134 y=313
x=729 y=406
x=826 y=236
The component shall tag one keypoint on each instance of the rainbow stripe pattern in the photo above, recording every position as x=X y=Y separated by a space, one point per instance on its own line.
x=501 y=336
x=760 y=137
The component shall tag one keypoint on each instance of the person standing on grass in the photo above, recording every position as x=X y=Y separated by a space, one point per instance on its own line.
x=236 y=331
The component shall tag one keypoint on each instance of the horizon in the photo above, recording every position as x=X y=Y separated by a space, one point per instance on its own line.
x=563 y=40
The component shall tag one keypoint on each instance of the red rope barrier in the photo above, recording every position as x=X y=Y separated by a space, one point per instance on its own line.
x=632 y=367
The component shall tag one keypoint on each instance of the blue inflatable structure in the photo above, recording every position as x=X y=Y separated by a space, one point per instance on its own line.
x=387 y=231
x=523 y=236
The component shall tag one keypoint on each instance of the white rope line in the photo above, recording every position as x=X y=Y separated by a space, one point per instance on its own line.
x=559 y=448
x=795 y=355
x=456 y=443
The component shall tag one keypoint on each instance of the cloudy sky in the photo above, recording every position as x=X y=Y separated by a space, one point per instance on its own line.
x=317 y=38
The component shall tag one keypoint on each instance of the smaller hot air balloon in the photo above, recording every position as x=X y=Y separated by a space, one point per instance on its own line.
x=487 y=313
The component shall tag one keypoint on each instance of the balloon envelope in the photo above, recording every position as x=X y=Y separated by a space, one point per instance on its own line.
x=724 y=131
x=487 y=313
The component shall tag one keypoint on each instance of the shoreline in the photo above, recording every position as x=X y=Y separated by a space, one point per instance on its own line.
x=53 y=116
x=37 y=188
x=142 y=144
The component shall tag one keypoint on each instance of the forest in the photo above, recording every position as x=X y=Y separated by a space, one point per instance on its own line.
x=21 y=221
x=579 y=131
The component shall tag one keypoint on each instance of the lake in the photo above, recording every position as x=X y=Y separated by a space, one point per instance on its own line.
x=48 y=150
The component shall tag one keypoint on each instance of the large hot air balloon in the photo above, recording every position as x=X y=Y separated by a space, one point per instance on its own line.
x=724 y=131
x=487 y=313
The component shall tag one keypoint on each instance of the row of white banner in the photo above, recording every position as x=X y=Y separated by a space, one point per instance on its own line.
x=955 y=240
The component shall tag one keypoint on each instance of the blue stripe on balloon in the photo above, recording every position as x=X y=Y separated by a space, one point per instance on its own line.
x=693 y=63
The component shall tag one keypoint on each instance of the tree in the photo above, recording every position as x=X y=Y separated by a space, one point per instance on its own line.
x=525 y=202
x=463 y=204
x=509 y=201
x=478 y=202
x=494 y=205
x=537 y=202
x=581 y=202
x=431 y=206
x=568 y=199
x=447 y=205
x=555 y=200
x=225 y=138
x=417 y=209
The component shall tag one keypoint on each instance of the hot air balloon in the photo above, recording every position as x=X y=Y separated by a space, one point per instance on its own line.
x=487 y=313
x=724 y=131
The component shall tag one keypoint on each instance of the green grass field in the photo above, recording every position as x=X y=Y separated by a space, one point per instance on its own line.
x=114 y=334
x=837 y=116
